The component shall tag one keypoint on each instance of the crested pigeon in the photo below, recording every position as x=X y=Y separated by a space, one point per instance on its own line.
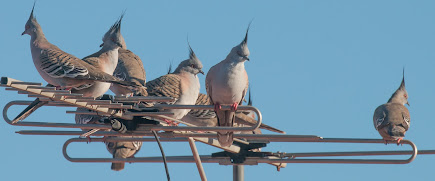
x=105 y=60
x=227 y=83
x=101 y=63
x=182 y=84
x=108 y=64
x=392 y=119
x=60 y=68
x=129 y=68
x=123 y=149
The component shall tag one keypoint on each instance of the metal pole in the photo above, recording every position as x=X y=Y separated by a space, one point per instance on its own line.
x=197 y=159
x=238 y=173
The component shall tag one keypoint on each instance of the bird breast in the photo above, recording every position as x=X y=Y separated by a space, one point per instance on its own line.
x=229 y=84
x=189 y=89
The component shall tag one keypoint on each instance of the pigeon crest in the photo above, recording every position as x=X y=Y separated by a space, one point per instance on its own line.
x=192 y=65
x=401 y=95
x=113 y=35
x=32 y=24
x=240 y=52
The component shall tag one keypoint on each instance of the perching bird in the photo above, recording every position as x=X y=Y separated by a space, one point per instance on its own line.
x=227 y=83
x=61 y=69
x=105 y=60
x=129 y=68
x=182 y=84
x=56 y=66
x=392 y=119
x=123 y=150
x=204 y=117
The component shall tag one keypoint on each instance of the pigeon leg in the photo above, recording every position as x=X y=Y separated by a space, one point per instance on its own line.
x=104 y=139
x=385 y=141
x=171 y=123
x=399 y=141
x=60 y=88
x=234 y=106
x=89 y=139
x=217 y=107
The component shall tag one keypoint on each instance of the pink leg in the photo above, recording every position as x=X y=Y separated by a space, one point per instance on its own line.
x=104 y=139
x=171 y=123
x=217 y=107
x=60 y=88
x=234 y=106
x=89 y=139
x=168 y=121
x=399 y=141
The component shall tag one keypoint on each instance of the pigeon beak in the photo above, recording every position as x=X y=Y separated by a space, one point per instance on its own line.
x=408 y=103
x=200 y=71
x=101 y=44
x=246 y=58
x=24 y=32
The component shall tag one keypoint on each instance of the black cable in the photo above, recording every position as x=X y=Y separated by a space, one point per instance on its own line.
x=163 y=154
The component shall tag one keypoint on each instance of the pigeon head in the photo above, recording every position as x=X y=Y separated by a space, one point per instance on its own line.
x=113 y=36
x=31 y=25
x=192 y=65
x=401 y=95
x=240 y=52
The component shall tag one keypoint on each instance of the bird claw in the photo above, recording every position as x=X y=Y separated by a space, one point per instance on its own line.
x=60 y=88
x=399 y=141
x=171 y=123
x=89 y=139
x=104 y=139
x=217 y=107
x=234 y=106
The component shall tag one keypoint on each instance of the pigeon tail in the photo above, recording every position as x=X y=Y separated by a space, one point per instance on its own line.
x=396 y=131
x=120 y=153
x=225 y=138
x=118 y=166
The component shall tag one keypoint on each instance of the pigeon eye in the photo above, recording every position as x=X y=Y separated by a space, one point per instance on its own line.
x=405 y=95
x=191 y=65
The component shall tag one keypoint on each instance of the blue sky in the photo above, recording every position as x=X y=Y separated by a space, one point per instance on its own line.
x=317 y=68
